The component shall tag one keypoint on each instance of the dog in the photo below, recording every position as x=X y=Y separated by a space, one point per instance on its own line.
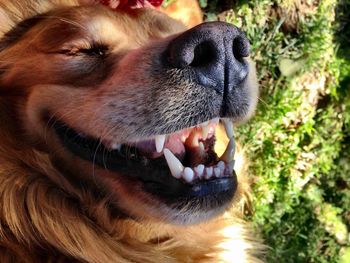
x=110 y=130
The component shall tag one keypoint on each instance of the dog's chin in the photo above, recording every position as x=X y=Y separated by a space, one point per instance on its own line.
x=132 y=199
x=176 y=178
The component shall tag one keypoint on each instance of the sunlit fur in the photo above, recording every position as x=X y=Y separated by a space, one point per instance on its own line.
x=45 y=215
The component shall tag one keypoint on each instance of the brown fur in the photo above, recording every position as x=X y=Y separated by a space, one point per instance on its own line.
x=187 y=11
x=46 y=215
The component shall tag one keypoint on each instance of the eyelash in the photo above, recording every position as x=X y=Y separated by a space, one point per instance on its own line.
x=94 y=50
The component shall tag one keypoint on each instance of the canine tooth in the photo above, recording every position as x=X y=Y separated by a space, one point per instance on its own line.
x=195 y=140
x=205 y=124
x=208 y=172
x=215 y=121
x=188 y=175
x=160 y=140
x=229 y=153
x=201 y=148
x=205 y=129
x=174 y=164
x=217 y=172
x=228 y=127
x=221 y=165
x=199 y=170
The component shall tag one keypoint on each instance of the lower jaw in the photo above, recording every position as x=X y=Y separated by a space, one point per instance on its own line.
x=180 y=204
x=160 y=184
x=154 y=203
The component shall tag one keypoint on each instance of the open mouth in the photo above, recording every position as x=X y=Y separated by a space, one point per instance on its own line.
x=184 y=163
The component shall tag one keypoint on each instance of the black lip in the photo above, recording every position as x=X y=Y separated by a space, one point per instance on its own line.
x=154 y=173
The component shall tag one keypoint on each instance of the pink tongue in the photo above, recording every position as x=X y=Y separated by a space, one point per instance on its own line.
x=173 y=143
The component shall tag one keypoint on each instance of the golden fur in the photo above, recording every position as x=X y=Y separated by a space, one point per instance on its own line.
x=44 y=216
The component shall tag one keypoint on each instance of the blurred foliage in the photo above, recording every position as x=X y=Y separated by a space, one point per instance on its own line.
x=299 y=141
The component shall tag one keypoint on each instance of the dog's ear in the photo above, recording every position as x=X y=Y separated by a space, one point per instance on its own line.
x=11 y=37
x=18 y=31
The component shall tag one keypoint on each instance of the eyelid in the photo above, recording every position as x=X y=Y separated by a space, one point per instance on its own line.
x=95 y=49
x=79 y=44
x=87 y=49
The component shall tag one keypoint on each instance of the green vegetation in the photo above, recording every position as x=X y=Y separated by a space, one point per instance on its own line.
x=299 y=141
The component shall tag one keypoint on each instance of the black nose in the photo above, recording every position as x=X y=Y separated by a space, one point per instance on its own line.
x=214 y=52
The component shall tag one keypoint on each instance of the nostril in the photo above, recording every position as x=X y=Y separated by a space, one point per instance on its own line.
x=240 y=47
x=204 y=54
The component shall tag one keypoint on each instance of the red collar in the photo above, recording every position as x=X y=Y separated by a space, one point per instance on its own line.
x=125 y=4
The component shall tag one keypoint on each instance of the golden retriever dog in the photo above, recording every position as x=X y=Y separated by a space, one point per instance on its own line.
x=110 y=130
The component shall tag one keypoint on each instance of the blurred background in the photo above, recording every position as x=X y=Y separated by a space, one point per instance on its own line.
x=299 y=141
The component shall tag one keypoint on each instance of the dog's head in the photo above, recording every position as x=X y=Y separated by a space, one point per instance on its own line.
x=126 y=105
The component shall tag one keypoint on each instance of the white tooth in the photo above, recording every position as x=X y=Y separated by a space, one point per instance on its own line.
x=208 y=172
x=221 y=166
x=195 y=140
x=199 y=170
x=230 y=166
x=160 y=140
x=174 y=164
x=205 y=124
x=205 y=130
x=215 y=121
x=116 y=146
x=201 y=148
x=217 y=172
x=228 y=127
x=188 y=175
x=229 y=153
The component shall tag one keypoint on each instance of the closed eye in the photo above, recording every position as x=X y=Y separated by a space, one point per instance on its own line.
x=96 y=50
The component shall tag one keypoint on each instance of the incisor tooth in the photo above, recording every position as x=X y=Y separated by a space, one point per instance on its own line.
x=160 y=140
x=208 y=172
x=199 y=170
x=174 y=164
x=217 y=172
x=230 y=166
x=221 y=165
x=229 y=153
x=228 y=127
x=188 y=175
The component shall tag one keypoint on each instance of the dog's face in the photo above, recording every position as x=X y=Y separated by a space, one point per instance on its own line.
x=126 y=105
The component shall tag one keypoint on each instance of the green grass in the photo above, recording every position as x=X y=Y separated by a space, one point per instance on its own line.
x=299 y=140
